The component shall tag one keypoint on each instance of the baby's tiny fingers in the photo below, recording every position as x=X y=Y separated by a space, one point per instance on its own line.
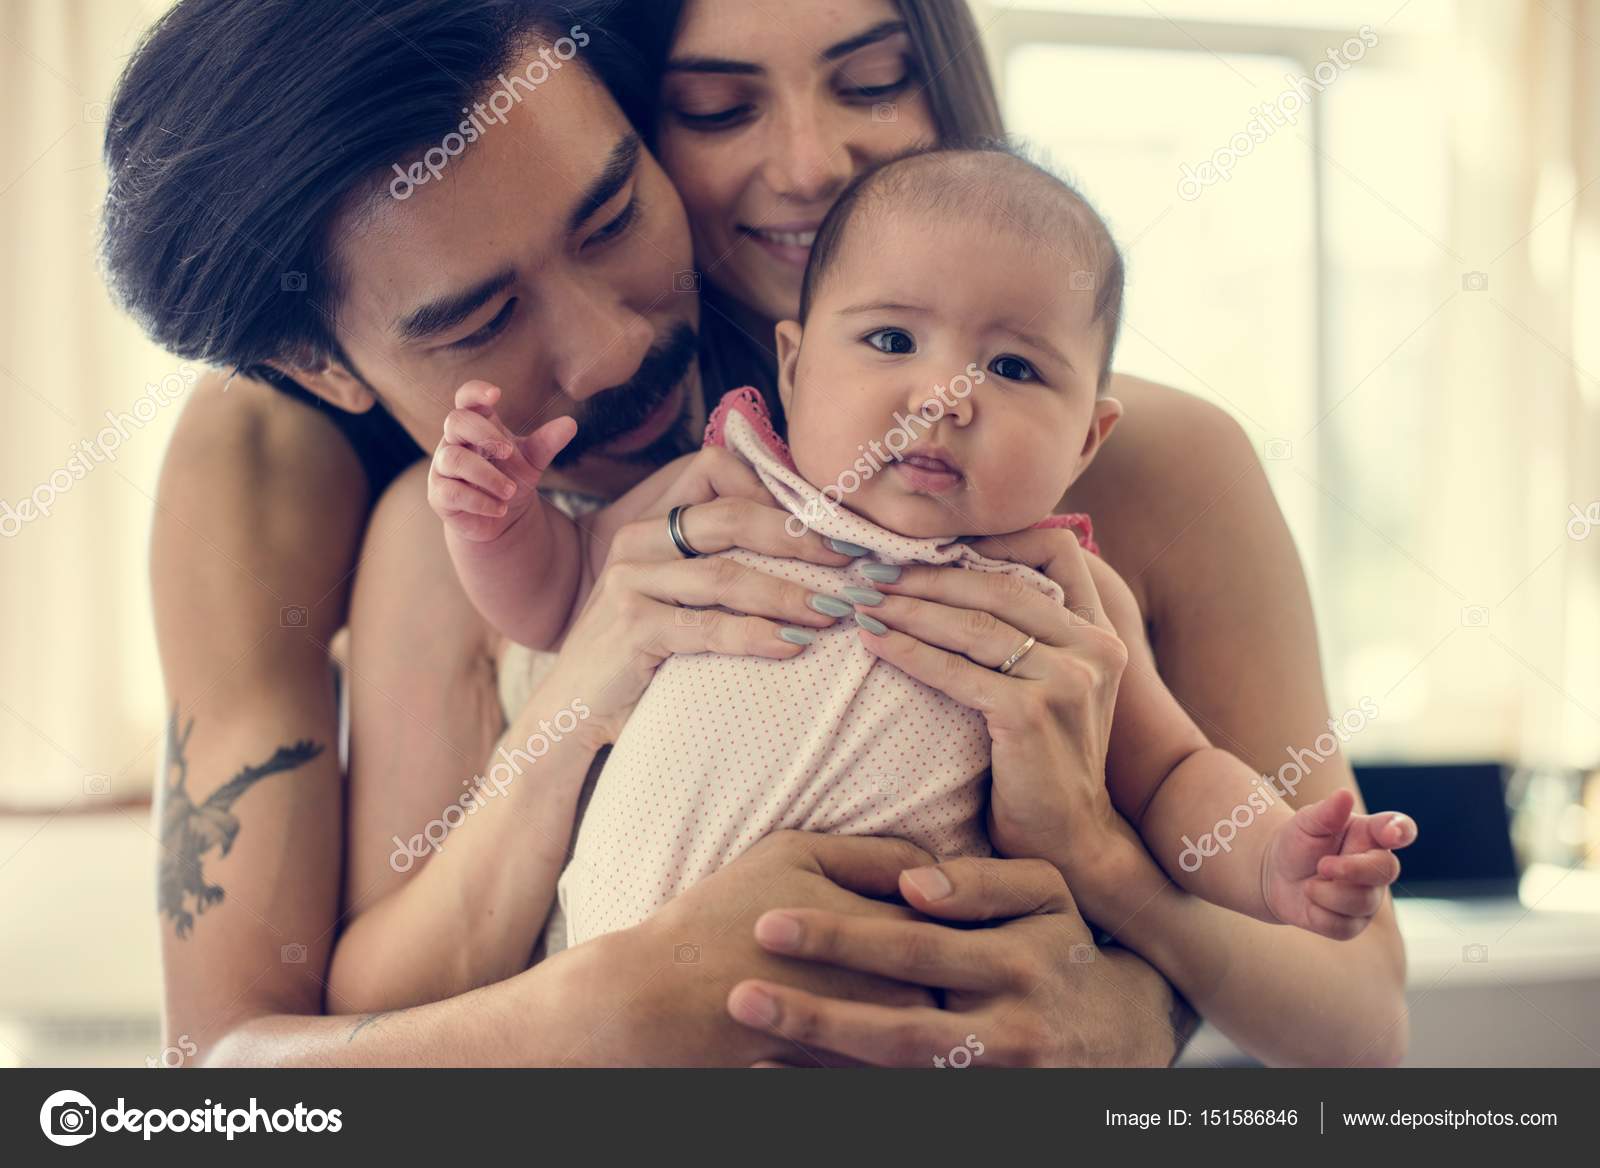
x=477 y=395
x=1336 y=926
x=459 y=462
x=1351 y=900
x=466 y=428
x=1376 y=868
x=1400 y=830
x=453 y=495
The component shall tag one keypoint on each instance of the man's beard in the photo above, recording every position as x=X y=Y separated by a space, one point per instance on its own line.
x=612 y=413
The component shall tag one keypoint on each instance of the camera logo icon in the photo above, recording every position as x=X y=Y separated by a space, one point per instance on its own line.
x=97 y=784
x=94 y=112
x=688 y=281
x=1475 y=282
x=1081 y=954
x=689 y=617
x=1475 y=616
x=686 y=954
x=885 y=111
x=1278 y=450
x=67 y=1118
x=1475 y=954
x=293 y=953
x=1081 y=281
x=293 y=616
x=294 y=282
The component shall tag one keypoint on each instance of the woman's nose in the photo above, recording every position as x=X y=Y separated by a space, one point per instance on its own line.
x=810 y=161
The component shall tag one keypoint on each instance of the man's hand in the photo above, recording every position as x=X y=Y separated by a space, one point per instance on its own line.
x=483 y=478
x=656 y=994
x=1030 y=989
x=1328 y=871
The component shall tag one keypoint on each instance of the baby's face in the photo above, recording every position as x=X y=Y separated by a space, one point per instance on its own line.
x=918 y=302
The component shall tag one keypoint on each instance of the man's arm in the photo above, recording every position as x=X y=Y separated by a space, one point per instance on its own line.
x=258 y=511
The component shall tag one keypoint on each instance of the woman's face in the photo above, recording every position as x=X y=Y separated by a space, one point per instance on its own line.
x=766 y=114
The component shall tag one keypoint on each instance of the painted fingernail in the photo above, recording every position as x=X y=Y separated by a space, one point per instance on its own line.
x=795 y=636
x=876 y=627
x=829 y=605
x=882 y=573
x=845 y=548
x=863 y=595
x=754 y=1007
x=932 y=883
x=778 y=930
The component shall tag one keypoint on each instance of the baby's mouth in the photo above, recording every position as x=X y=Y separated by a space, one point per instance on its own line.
x=928 y=473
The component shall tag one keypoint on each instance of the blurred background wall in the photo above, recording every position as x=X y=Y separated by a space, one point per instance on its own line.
x=1395 y=289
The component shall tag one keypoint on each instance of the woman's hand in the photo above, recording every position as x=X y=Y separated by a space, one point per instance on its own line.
x=1050 y=716
x=1031 y=990
x=649 y=602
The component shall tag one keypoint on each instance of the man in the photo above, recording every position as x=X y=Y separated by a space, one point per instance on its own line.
x=356 y=205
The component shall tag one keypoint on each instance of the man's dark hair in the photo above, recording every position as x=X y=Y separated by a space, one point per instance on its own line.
x=241 y=128
x=991 y=182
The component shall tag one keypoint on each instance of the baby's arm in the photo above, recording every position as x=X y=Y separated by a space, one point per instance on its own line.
x=1225 y=834
x=519 y=558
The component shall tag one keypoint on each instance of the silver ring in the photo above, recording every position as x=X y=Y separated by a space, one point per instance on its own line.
x=675 y=530
x=1022 y=651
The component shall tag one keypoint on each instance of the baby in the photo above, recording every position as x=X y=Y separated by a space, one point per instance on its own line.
x=946 y=380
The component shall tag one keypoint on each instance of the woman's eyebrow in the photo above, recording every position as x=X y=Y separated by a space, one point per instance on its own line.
x=726 y=65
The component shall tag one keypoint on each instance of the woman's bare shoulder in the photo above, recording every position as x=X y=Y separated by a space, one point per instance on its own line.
x=1178 y=485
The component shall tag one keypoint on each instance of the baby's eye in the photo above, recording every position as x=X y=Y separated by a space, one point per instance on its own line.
x=1012 y=369
x=896 y=342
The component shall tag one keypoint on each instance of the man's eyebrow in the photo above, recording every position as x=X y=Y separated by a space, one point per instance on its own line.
x=447 y=311
x=619 y=168
x=878 y=32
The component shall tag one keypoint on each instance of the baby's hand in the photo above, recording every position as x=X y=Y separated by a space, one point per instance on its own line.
x=483 y=478
x=1327 y=871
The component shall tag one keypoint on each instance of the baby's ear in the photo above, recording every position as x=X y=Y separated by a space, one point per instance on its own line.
x=788 y=336
x=1107 y=413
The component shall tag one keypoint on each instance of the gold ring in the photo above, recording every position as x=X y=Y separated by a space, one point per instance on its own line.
x=1022 y=651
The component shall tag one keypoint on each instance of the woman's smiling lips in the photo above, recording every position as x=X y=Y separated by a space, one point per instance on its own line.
x=789 y=242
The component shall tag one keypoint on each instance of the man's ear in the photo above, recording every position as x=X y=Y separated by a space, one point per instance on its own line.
x=789 y=333
x=332 y=382
x=1107 y=413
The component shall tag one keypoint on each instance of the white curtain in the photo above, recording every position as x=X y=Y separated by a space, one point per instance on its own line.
x=1516 y=457
x=79 y=685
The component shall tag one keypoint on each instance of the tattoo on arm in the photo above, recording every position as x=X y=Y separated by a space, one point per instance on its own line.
x=189 y=831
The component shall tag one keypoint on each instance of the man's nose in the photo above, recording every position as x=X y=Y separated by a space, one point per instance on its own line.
x=598 y=341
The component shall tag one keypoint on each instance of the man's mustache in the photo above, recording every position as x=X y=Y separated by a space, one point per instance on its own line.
x=611 y=413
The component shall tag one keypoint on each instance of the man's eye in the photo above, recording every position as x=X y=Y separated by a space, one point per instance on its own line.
x=896 y=342
x=1013 y=369
x=489 y=331
x=617 y=226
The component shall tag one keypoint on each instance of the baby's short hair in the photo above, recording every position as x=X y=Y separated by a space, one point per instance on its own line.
x=993 y=183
